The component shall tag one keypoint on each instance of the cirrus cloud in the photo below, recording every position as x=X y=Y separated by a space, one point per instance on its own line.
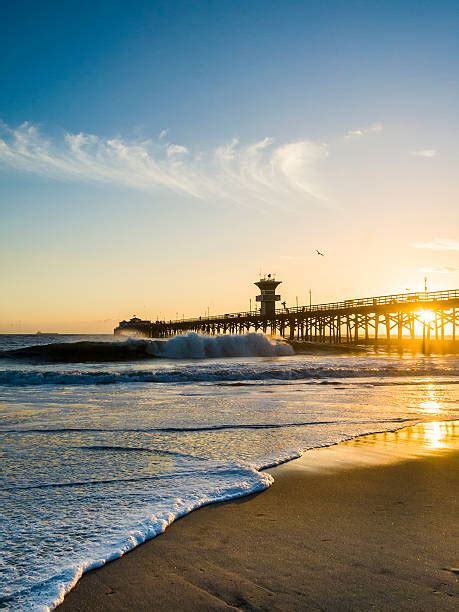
x=262 y=171
x=438 y=244
x=440 y=269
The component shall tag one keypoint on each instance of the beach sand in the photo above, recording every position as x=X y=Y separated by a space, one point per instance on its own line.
x=367 y=524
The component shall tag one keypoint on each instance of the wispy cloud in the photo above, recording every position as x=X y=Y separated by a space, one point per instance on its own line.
x=263 y=171
x=438 y=244
x=424 y=153
x=375 y=128
x=440 y=269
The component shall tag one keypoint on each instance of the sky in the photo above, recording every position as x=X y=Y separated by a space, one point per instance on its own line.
x=156 y=157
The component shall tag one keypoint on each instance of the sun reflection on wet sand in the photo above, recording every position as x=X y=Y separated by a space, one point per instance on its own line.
x=409 y=443
x=436 y=435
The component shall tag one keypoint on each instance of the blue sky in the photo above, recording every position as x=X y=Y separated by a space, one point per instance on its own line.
x=193 y=142
x=205 y=68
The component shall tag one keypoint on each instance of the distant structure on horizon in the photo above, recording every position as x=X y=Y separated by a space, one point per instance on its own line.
x=268 y=297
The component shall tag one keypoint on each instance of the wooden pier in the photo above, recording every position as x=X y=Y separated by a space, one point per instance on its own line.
x=384 y=319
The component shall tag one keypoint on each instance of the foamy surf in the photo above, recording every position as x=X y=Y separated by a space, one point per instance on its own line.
x=125 y=519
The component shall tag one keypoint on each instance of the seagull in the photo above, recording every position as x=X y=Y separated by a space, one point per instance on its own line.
x=319 y=253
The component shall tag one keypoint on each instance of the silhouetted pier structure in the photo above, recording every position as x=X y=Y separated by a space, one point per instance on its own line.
x=384 y=319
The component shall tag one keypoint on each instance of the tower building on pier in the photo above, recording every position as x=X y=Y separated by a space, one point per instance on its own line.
x=268 y=297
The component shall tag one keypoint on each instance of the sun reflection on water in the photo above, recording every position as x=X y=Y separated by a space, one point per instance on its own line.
x=430 y=406
x=430 y=403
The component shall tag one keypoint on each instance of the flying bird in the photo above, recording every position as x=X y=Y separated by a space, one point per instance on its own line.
x=319 y=253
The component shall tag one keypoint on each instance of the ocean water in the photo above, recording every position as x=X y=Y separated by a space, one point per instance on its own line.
x=97 y=456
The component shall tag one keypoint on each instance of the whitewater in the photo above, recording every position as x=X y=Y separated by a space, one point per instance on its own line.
x=105 y=442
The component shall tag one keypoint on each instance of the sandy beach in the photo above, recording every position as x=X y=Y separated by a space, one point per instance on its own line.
x=366 y=524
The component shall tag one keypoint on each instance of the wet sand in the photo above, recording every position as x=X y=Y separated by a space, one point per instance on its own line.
x=367 y=524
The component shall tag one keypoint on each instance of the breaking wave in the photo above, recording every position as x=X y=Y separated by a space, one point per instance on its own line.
x=189 y=346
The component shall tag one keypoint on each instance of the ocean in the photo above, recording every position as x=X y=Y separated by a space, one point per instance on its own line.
x=105 y=441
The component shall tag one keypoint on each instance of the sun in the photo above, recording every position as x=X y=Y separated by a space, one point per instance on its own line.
x=426 y=316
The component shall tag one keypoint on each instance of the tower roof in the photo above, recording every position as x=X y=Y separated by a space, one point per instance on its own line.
x=267 y=282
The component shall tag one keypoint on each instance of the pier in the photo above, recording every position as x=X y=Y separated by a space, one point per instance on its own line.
x=387 y=319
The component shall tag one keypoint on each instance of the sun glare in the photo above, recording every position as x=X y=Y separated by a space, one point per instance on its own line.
x=426 y=316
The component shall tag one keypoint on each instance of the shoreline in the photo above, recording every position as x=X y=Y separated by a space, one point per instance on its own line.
x=163 y=572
